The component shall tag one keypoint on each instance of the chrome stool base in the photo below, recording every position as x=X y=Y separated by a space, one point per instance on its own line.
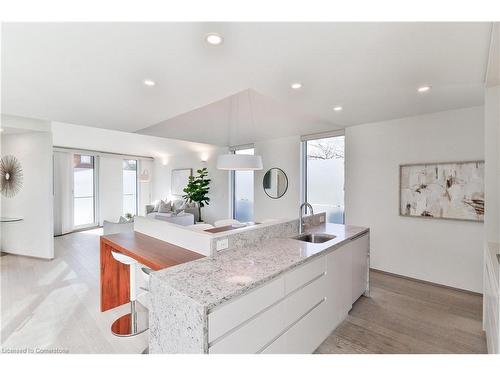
x=132 y=324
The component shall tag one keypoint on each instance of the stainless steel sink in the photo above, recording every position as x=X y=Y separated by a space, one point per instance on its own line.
x=315 y=237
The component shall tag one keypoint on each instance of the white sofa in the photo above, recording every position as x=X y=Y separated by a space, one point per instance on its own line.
x=109 y=227
x=181 y=219
x=177 y=205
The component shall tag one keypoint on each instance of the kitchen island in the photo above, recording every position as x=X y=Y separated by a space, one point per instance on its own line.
x=281 y=295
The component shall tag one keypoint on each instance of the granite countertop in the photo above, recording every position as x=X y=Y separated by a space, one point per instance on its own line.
x=213 y=280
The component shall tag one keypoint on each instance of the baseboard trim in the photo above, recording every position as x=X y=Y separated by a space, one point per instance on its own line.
x=426 y=282
x=78 y=230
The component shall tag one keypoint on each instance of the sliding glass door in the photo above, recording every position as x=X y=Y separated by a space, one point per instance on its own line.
x=84 y=191
x=324 y=176
x=243 y=191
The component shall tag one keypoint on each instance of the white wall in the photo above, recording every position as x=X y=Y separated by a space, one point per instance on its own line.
x=219 y=186
x=281 y=153
x=34 y=235
x=90 y=138
x=441 y=251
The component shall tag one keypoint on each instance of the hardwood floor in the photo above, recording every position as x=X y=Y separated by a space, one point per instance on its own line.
x=55 y=304
x=407 y=316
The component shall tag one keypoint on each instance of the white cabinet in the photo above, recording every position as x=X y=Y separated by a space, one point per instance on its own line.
x=236 y=312
x=295 y=312
x=339 y=275
x=491 y=301
x=309 y=332
x=359 y=249
x=254 y=334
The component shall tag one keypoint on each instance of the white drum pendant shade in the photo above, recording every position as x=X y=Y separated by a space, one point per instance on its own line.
x=239 y=162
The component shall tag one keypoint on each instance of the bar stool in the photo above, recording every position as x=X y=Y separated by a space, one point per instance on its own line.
x=135 y=322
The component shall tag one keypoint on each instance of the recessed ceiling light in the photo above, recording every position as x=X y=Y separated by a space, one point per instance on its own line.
x=296 y=85
x=337 y=108
x=424 y=88
x=149 y=82
x=214 y=39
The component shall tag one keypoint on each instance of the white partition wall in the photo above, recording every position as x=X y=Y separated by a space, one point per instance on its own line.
x=30 y=141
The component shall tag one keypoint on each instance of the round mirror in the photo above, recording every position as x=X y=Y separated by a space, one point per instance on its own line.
x=275 y=183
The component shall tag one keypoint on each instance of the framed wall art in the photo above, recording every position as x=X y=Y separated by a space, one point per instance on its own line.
x=452 y=190
x=179 y=181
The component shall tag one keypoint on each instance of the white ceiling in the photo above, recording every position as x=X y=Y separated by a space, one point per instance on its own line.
x=91 y=73
x=242 y=118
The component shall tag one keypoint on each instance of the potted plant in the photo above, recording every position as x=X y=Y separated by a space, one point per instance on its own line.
x=197 y=190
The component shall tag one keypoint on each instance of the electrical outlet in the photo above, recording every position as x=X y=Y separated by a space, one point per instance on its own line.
x=222 y=244
x=322 y=219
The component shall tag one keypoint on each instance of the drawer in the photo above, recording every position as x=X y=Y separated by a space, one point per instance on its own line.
x=305 y=273
x=231 y=314
x=255 y=334
x=304 y=299
x=278 y=346
x=308 y=333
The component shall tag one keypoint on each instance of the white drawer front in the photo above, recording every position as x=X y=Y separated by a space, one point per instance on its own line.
x=305 y=273
x=304 y=299
x=278 y=346
x=254 y=334
x=232 y=314
x=305 y=336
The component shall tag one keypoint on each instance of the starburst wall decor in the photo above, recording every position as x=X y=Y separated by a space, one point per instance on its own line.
x=11 y=176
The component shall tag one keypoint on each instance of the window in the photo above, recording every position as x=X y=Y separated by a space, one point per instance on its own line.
x=83 y=190
x=324 y=176
x=243 y=191
x=130 y=187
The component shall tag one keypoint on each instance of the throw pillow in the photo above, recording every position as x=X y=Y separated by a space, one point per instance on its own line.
x=122 y=220
x=177 y=203
x=165 y=207
x=157 y=205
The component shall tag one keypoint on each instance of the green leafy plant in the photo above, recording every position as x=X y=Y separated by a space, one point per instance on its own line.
x=197 y=190
x=129 y=216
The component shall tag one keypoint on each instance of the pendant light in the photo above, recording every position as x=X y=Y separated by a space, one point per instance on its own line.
x=240 y=162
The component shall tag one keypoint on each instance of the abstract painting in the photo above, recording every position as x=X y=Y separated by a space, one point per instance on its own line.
x=443 y=190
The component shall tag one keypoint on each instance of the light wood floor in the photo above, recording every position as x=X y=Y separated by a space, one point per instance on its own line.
x=55 y=304
x=406 y=316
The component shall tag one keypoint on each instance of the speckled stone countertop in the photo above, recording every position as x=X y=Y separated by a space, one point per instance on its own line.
x=213 y=280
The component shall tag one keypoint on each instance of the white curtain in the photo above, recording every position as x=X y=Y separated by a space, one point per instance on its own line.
x=63 y=192
x=110 y=188
x=144 y=170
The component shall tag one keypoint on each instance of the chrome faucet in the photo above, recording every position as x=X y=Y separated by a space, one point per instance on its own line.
x=301 y=220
